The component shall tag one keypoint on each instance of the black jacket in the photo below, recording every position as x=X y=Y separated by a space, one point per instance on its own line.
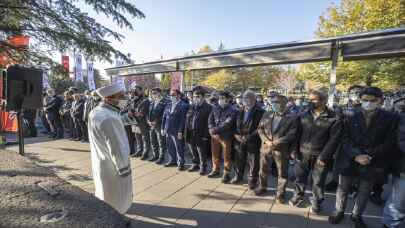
x=198 y=132
x=319 y=137
x=248 y=128
x=378 y=140
x=141 y=105
x=284 y=137
x=156 y=112
x=222 y=121
x=53 y=104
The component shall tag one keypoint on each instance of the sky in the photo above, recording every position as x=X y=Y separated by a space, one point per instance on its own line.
x=172 y=28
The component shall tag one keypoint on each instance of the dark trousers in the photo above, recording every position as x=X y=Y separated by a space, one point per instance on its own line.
x=281 y=162
x=176 y=149
x=143 y=142
x=68 y=125
x=131 y=138
x=158 y=143
x=44 y=121
x=250 y=155
x=78 y=128
x=55 y=123
x=364 y=186
x=302 y=169
x=199 y=152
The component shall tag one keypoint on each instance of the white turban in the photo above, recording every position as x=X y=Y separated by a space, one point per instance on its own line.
x=110 y=90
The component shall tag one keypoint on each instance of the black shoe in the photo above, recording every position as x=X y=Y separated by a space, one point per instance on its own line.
x=154 y=158
x=170 y=164
x=376 y=199
x=260 y=191
x=336 y=217
x=252 y=185
x=331 y=186
x=296 y=201
x=203 y=171
x=159 y=161
x=226 y=178
x=213 y=174
x=133 y=155
x=193 y=168
x=358 y=222
x=236 y=180
x=144 y=157
x=181 y=168
x=138 y=154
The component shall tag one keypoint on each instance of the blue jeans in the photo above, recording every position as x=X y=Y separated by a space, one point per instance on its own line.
x=394 y=210
x=175 y=149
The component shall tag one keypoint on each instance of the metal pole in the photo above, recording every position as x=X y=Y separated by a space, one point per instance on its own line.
x=332 y=78
x=20 y=115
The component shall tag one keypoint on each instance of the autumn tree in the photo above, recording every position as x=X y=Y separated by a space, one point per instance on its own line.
x=353 y=16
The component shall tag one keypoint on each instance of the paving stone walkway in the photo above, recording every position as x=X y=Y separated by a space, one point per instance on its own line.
x=165 y=197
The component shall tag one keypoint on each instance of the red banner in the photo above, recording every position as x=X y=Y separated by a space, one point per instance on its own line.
x=65 y=62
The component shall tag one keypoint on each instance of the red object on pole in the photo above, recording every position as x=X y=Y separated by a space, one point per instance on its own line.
x=19 y=40
x=65 y=62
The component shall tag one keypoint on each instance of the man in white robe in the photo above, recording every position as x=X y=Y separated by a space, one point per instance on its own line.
x=110 y=150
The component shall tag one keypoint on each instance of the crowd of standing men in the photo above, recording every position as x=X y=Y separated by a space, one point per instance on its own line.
x=361 y=143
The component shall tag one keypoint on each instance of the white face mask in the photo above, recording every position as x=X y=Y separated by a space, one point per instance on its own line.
x=369 y=106
x=222 y=103
x=199 y=101
x=173 y=99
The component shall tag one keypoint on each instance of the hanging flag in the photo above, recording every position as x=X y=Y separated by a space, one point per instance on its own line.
x=78 y=67
x=90 y=75
x=65 y=62
x=45 y=77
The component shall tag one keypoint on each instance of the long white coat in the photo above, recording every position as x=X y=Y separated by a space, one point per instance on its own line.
x=110 y=157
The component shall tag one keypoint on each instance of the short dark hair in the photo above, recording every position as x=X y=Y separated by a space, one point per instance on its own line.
x=225 y=94
x=157 y=89
x=178 y=92
x=373 y=91
x=199 y=92
x=280 y=97
x=320 y=94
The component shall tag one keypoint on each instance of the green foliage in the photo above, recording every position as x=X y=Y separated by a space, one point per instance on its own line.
x=63 y=25
x=353 y=16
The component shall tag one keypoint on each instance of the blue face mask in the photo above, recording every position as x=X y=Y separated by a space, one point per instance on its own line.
x=275 y=107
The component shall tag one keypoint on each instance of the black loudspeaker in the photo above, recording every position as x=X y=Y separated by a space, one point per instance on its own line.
x=23 y=88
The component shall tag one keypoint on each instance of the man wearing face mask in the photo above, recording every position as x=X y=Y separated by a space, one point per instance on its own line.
x=368 y=148
x=109 y=147
x=221 y=124
x=318 y=137
x=278 y=132
x=139 y=111
x=344 y=112
x=174 y=121
x=197 y=134
x=158 y=141
x=247 y=145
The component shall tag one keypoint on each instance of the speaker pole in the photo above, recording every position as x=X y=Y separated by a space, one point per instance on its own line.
x=20 y=115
